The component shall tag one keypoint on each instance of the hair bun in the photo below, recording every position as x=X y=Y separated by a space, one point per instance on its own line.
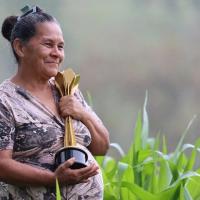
x=7 y=26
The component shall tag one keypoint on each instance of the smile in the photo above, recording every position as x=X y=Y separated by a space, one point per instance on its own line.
x=52 y=63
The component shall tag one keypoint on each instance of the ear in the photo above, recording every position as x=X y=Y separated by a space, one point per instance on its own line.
x=18 y=47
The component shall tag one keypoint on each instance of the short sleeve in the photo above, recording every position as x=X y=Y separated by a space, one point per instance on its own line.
x=80 y=97
x=7 y=127
x=83 y=135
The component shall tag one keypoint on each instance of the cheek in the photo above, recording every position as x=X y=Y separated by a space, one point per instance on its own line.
x=37 y=57
x=62 y=56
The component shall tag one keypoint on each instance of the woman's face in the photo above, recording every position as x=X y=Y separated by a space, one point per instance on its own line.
x=44 y=52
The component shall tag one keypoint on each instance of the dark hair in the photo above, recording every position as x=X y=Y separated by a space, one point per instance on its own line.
x=24 y=27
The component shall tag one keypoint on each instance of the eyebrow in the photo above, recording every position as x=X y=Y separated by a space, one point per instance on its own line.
x=51 y=40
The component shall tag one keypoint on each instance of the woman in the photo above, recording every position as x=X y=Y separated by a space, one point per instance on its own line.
x=32 y=113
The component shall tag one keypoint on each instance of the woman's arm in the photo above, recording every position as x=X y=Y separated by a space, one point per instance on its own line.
x=100 y=136
x=17 y=173
x=70 y=106
x=14 y=172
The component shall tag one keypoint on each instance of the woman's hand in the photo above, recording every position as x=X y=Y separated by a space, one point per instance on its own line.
x=70 y=106
x=21 y=174
x=67 y=176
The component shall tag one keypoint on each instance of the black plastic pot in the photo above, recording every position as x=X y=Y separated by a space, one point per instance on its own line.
x=68 y=152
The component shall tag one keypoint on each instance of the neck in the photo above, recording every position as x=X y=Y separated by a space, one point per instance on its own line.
x=30 y=83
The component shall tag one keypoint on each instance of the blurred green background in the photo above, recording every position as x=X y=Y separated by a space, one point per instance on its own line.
x=121 y=48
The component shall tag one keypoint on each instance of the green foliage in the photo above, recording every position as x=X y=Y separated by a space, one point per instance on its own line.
x=148 y=171
x=58 y=195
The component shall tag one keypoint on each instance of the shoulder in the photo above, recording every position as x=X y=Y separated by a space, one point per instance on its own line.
x=78 y=94
x=6 y=90
x=9 y=95
x=7 y=87
x=5 y=101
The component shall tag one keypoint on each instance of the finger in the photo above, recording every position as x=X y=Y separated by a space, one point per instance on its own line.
x=63 y=102
x=64 y=111
x=89 y=167
x=82 y=171
x=66 y=99
x=85 y=181
x=89 y=174
x=93 y=170
x=69 y=162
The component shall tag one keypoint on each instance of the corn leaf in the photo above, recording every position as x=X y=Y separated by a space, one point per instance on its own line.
x=165 y=175
x=137 y=145
x=178 y=148
x=164 y=145
x=145 y=124
x=58 y=195
x=138 y=191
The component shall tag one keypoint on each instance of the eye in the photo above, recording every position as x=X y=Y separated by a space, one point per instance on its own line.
x=61 y=47
x=48 y=44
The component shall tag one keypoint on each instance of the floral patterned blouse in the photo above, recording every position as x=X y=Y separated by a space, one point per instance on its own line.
x=35 y=134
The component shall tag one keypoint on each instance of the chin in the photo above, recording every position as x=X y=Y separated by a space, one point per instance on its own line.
x=53 y=73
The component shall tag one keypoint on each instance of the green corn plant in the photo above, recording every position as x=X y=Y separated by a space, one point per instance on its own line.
x=148 y=171
x=58 y=195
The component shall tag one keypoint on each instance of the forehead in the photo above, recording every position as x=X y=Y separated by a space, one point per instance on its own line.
x=49 y=30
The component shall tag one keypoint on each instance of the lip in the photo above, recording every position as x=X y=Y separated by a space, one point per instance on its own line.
x=52 y=62
x=55 y=64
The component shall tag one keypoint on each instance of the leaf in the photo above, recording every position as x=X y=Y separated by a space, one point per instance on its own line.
x=145 y=123
x=187 y=194
x=193 y=185
x=89 y=97
x=100 y=160
x=164 y=145
x=171 y=193
x=138 y=191
x=165 y=175
x=118 y=148
x=58 y=195
x=184 y=193
x=181 y=162
x=122 y=167
x=144 y=154
x=110 y=167
x=131 y=156
x=181 y=196
x=191 y=161
x=157 y=142
x=192 y=158
x=154 y=180
x=109 y=196
x=127 y=194
x=185 y=176
x=128 y=176
x=178 y=148
x=137 y=145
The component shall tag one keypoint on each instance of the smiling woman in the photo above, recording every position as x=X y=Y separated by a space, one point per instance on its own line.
x=32 y=117
x=43 y=53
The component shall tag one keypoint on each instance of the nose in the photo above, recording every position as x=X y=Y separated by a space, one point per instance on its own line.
x=58 y=53
x=55 y=51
